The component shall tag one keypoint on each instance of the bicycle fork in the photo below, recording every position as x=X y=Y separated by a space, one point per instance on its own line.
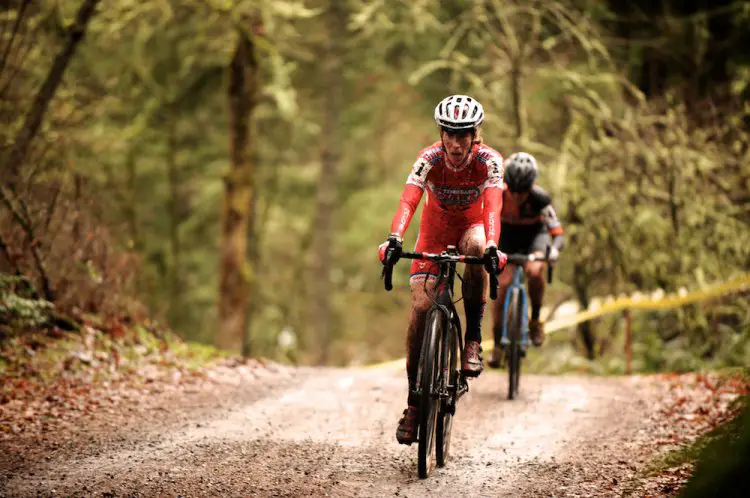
x=450 y=395
x=516 y=284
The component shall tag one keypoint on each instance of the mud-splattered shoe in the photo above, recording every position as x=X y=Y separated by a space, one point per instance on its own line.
x=536 y=330
x=472 y=366
x=407 y=426
x=496 y=357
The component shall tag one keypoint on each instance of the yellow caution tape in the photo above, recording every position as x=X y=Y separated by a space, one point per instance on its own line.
x=638 y=302
x=634 y=302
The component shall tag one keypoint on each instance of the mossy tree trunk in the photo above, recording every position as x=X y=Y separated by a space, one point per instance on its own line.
x=234 y=271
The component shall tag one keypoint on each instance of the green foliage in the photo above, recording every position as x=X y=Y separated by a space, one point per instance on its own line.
x=650 y=196
x=19 y=308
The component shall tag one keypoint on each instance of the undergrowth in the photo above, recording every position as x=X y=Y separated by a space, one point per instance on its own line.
x=723 y=459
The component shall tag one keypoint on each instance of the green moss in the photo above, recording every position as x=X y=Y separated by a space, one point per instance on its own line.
x=681 y=456
x=723 y=466
x=195 y=354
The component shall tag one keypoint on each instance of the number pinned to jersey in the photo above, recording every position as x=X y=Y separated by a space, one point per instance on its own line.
x=419 y=167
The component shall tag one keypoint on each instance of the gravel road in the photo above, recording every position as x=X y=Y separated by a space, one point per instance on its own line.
x=331 y=432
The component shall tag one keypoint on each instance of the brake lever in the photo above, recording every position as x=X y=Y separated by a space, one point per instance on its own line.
x=549 y=265
x=387 y=273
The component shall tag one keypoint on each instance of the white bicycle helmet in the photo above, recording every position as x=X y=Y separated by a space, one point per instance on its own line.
x=459 y=113
x=520 y=171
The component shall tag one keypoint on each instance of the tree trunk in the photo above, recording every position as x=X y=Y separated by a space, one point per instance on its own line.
x=585 y=330
x=253 y=257
x=581 y=280
x=319 y=283
x=33 y=119
x=234 y=274
x=173 y=205
x=131 y=211
x=517 y=101
x=20 y=214
x=673 y=200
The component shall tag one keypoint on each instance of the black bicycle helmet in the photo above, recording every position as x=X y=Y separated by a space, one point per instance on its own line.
x=520 y=171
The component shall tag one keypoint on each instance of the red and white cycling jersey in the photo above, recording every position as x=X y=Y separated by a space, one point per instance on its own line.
x=457 y=199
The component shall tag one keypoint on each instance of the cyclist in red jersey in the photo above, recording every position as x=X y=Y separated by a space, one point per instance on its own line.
x=529 y=225
x=464 y=183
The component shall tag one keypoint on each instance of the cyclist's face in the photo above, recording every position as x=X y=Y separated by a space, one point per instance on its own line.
x=457 y=145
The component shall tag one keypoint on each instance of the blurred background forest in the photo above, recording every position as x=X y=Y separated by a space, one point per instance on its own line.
x=228 y=167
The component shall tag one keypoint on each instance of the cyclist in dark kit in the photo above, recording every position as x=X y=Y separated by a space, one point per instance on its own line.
x=529 y=225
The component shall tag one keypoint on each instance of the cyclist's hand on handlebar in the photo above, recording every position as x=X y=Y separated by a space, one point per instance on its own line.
x=391 y=249
x=495 y=261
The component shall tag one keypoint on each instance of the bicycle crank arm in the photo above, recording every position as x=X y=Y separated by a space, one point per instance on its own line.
x=463 y=388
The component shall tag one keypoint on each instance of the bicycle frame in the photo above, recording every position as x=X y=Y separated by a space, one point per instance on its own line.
x=517 y=283
x=443 y=298
x=443 y=303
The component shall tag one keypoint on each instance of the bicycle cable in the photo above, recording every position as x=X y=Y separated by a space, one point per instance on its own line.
x=462 y=287
x=438 y=281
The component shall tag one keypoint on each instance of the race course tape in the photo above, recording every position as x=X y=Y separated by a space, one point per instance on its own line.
x=613 y=305
x=654 y=302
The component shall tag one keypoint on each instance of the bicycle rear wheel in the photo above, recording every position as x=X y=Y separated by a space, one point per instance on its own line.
x=449 y=379
x=514 y=349
x=429 y=362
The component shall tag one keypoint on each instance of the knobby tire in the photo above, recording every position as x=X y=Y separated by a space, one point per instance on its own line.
x=449 y=376
x=515 y=321
x=429 y=361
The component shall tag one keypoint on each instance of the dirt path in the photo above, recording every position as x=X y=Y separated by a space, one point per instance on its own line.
x=331 y=432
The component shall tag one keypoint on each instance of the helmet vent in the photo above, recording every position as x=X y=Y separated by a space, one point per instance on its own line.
x=459 y=112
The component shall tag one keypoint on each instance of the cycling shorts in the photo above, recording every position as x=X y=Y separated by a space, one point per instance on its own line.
x=437 y=241
x=521 y=240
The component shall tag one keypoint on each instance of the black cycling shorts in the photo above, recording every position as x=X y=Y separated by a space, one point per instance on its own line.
x=524 y=241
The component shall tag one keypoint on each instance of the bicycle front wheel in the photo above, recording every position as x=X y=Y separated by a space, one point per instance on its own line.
x=515 y=321
x=429 y=362
x=449 y=379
